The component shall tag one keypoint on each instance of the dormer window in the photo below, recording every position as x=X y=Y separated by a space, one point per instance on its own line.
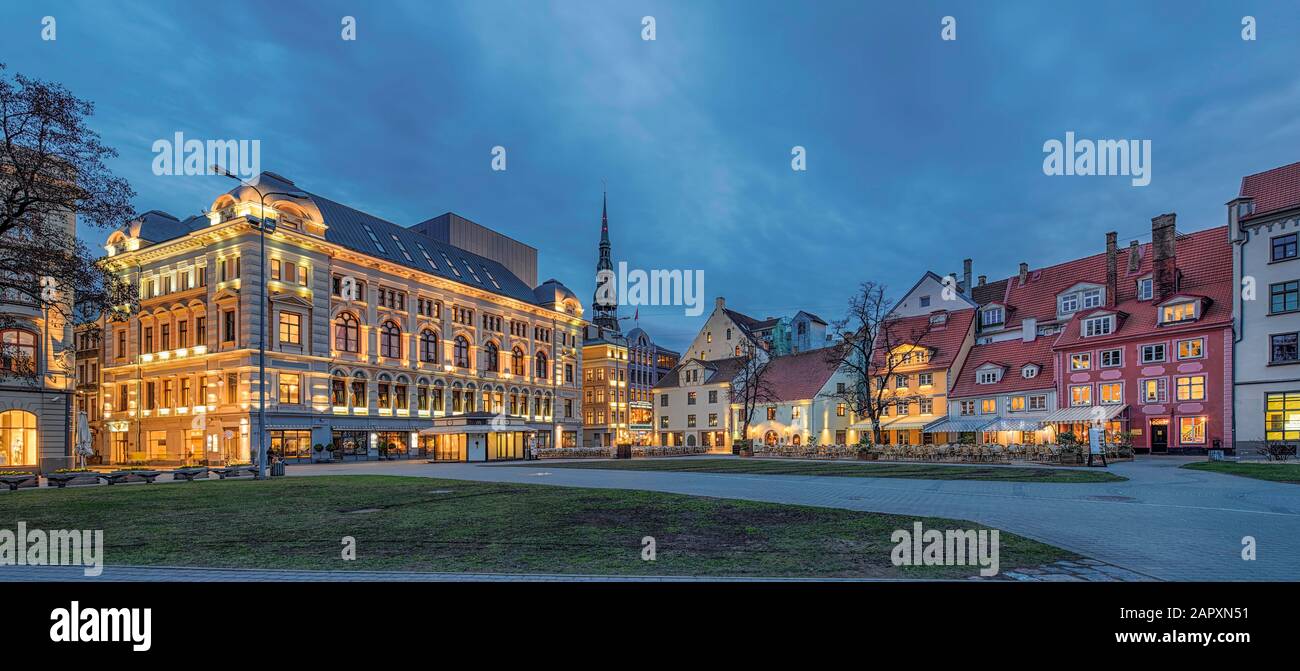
x=1098 y=326
x=992 y=315
x=987 y=377
x=1144 y=289
x=1029 y=371
x=1245 y=208
x=1178 y=312
x=1082 y=299
x=939 y=318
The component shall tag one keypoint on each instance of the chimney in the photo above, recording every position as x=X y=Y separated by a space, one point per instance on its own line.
x=1112 y=271
x=1134 y=260
x=956 y=280
x=1028 y=329
x=965 y=275
x=1024 y=273
x=983 y=279
x=1164 y=266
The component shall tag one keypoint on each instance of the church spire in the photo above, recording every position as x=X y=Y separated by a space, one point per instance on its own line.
x=605 y=303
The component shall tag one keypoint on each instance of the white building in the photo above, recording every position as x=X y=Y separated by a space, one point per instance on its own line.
x=1264 y=225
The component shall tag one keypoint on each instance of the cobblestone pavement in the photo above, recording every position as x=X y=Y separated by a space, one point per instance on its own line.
x=1165 y=522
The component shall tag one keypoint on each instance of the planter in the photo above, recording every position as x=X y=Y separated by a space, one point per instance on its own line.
x=75 y=479
x=745 y=452
x=191 y=473
x=16 y=481
x=868 y=456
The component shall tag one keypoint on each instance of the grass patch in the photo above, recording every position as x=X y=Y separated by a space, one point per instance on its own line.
x=1272 y=472
x=849 y=469
x=423 y=524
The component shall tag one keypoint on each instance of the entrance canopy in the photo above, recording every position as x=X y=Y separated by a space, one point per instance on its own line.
x=475 y=422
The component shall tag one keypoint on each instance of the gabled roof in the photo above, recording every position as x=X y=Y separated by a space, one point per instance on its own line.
x=811 y=317
x=1273 y=190
x=719 y=370
x=943 y=340
x=1204 y=260
x=796 y=377
x=1013 y=355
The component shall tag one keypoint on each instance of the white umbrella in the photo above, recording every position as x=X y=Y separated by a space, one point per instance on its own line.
x=84 y=448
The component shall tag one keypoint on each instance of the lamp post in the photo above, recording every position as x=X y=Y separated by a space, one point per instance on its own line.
x=262 y=223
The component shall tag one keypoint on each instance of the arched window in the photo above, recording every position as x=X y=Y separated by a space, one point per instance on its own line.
x=493 y=357
x=347 y=333
x=462 y=352
x=429 y=347
x=390 y=341
x=517 y=362
x=401 y=397
x=338 y=389
x=18 y=351
x=540 y=371
x=358 y=399
x=18 y=436
x=737 y=350
x=383 y=388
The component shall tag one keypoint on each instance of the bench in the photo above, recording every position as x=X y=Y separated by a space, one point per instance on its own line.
x=234 y=471
x=62 y=480
x=16 y=481
x=122 y=476
x=188 y=474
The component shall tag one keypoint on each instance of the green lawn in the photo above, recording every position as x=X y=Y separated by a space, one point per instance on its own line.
x=422 y=524
x=849 y=469
x=1259 y=471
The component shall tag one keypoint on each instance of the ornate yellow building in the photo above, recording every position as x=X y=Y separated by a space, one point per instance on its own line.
x=372 y=330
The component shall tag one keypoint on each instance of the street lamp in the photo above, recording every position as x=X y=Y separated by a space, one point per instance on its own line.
x=262 y=224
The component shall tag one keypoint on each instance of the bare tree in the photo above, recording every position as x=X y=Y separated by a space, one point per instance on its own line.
x=751 y=385
x=877 y=344
x=52 y=172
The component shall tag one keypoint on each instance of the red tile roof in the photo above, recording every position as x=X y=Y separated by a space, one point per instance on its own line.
x=944 y=339
x=1014 y=354
x=1273 y=190
x=796 y=377
x=1204 y=261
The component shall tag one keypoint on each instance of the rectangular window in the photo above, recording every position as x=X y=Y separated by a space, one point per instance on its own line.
x=1112 y=358
x=1284 y=247
x=1191 y=349
x=1155 y=390
x=690 y=398
x=900 y=382
x=839 y=410
x=713 y=419
x=1097 y=326
x=229 y=334
x=925 y=405
x=1153 y=353
x=290 y=328
x=1111 y=393
x=1284 y=348
x=1178 y=312
x=232 y=388
x=290 y=388
x=713 y=396
x=1191 y=430
x=925 y=379
x=1282 y=416
x=1081 y=394
x=771 y=413
x=1284 y=297
x=1190 y=388
x=988 y=406
x=901 y=407
x=1144 y=289
x=1091 y=298
x=200 y=331
x=1081 y=361
x=968 y=407
x=1038 y=402
x=1016 y=404
x=690 y=421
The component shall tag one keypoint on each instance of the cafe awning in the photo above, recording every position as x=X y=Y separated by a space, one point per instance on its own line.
x=1086 y=413
x=1015 y=424
x=956 y=425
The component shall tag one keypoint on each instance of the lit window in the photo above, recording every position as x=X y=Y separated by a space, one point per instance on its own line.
x=1081 y=394
x=1155 y=390
x=1111 y=393
x=1016 y=403
x=290 y=328
x=1178 y=312
x=1190 y=388
x=1082 y=361
x=290 y=388
x=988 y=406
x=1191 y=430
x=1191 y=349
x=1282 y=416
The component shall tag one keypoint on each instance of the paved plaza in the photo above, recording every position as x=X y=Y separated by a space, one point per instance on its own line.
x=1164 y=523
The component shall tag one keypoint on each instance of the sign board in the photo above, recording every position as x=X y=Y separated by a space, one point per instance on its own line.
x=1095 y=438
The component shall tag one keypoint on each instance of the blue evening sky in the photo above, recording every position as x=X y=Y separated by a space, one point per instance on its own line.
x=920 y=152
